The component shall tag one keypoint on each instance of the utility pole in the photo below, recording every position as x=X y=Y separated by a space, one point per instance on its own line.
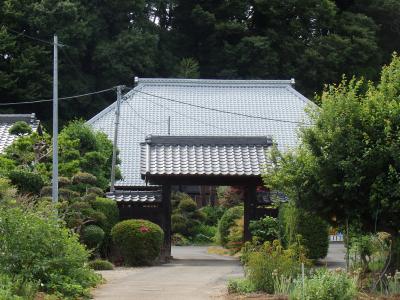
x=55 y=121
x=169 y=125
x=114 y=155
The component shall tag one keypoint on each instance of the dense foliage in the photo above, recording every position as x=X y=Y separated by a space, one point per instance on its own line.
x=347 y=167
x=36 y=248
x=139 y=241
x=312 y=230
x=226 y=222
x=267 y=261
x=100 y=264
x=325 y=284
x=81 y=151
x=111 y=41
x=265 y=229
x=186 y=218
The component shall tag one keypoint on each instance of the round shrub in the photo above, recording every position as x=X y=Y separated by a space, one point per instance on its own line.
x=85 y=178
x=178 y=239
x=228 y=219
x=139 y=241
x=212 y=214
x=100 y=264
x=179 y=224
x=92 y=236
x=96 y=190
x=187 y=205
x=265 y=229
x=26 y=181
x=20 y=128
x=63 y=181
x=110 y=209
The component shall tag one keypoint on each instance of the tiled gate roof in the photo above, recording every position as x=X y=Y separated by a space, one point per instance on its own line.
x=228 y=156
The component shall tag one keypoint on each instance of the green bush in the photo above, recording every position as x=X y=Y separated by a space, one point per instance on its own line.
x=313 y=230
x=235 y=236
x=212 y=214
x=179 y=224
x=187 y=205
x=100 y=264
x=178 y=239
x=44 y=251
x=185 y=216
x=270 y=261
x=20 y=128
x=265 y=229
x=16 y=289
x=325 y=284
x=92 y=236
x=110 y=209
x=204 y=234
x=26 y=181
x=84 y=178
x=139 y=241
x=227 y=221
x=240 y=286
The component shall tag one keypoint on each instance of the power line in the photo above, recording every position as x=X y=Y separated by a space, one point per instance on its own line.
x=141 y=117
x=33 y=38
x=61 y=98
x=189 y=117
x=220 y=110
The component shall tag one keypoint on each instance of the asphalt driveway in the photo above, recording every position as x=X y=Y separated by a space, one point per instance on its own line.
x=193 y=274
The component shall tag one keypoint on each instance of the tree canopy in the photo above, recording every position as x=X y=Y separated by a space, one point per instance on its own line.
x=110 y=42
x=348 y=165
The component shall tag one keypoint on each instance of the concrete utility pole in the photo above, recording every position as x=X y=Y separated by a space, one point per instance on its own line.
x=114 y=155
x=55 y=121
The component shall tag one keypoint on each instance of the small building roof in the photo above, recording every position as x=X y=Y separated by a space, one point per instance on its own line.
x=8 y=120
x=201 y=107
x=204 y=155
x=152 y=196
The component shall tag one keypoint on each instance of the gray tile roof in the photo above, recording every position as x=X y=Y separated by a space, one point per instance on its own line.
x=184 y=155
x=135 y=196
x=7 y=120
x=144 y=114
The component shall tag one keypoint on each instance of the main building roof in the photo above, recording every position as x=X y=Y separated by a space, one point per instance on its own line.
x=198 y=107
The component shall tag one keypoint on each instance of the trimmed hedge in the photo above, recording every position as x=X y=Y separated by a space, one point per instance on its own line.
x=228 y=220
x=100 y=264
x=92 y=236
x=313 y=230
x=139 y=241
x=110 y=209
x=26 y=181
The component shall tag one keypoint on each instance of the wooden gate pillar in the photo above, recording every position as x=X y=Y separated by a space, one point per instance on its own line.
x=166 y=211
x=250 y=201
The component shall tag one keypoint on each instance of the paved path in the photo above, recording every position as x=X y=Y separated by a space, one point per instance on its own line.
x=336 y=256
x=193 y=274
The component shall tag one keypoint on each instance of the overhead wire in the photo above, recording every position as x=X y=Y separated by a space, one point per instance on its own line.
x=189 y=117
x=220 y=110
x=35 y=38
x=141 y=117
x=60 y=98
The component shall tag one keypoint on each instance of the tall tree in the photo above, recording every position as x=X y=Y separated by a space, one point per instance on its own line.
x=348 y=164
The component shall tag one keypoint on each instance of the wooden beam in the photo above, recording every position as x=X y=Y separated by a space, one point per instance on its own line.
x=249 y=209
x=204 y=180
x=166 y=204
